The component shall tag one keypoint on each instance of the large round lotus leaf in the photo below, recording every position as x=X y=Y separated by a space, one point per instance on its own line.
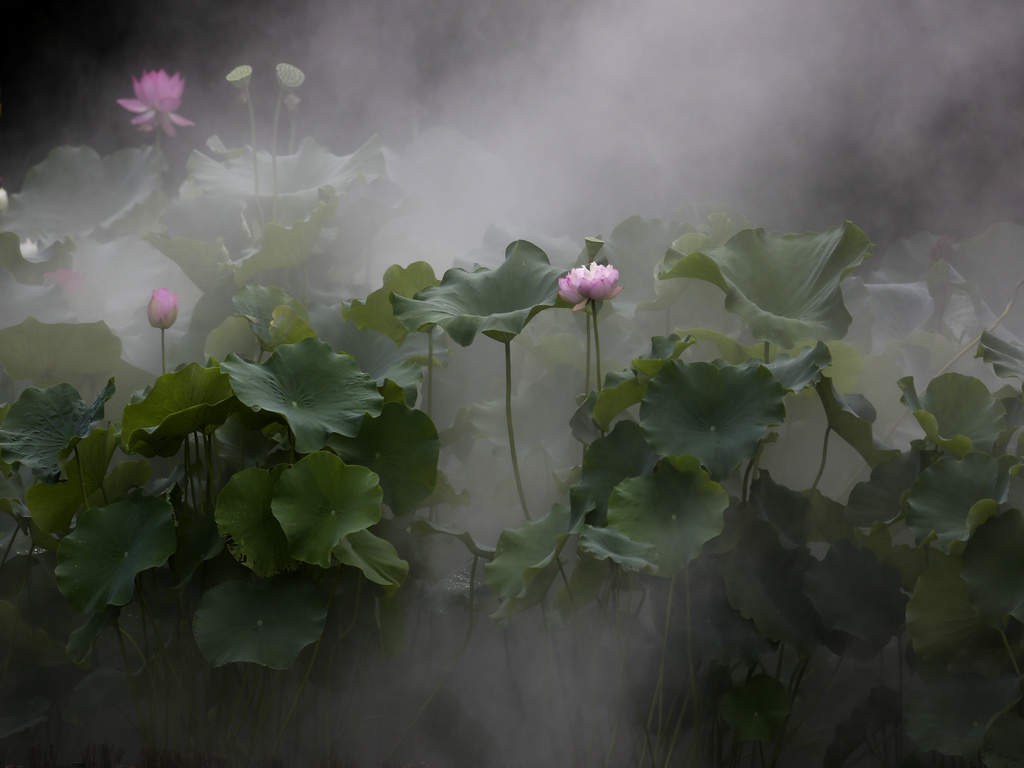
x=522 y=554
x=194 y=399
x=74 y=191
x=498 y=303
x=1006 y=359
x=950 y=714
x=880 y=499
x=401 y=446
x=855 y=593
x=994 y=568
x=317 y=391
x=940 y=617
x=757 y=709
x=765 y=583
x=943 y=495
x=98 y=561
x=50 y=353
x=267 y=622
x=246 y=521
x=608 y=544
x=299 y=176
x=320 y=500
x=377 y=312
x=716 y=414
x=375 y=557
x=957 y=412
x=44 y=425
x=677 y=509
x=784 y=287
x=286 y=247
x=53 y=506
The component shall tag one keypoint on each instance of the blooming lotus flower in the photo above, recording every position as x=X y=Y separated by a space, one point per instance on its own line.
x=163 y=308
x=585 y=284
x=157 y=95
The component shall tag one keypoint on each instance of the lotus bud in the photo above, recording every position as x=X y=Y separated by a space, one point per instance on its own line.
x=163 y=308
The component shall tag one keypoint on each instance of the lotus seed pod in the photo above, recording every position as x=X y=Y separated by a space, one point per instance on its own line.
x=289 y=77
x=240 y=76
x=594 y=246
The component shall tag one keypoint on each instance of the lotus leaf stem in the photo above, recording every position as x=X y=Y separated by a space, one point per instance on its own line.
x=511 y=432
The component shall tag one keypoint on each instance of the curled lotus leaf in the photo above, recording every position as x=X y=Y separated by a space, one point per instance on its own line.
x=498 y=303
x=267 y=622
x=376 y=310
x=784 y=287
x=957 y=412
x=1006 y=359
x=43 y=427
x=314 y=389
x=716 y=414
x=245 y=520
x=375 y=557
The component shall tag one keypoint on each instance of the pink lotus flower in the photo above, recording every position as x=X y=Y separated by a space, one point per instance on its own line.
x=163 y=308
x=157 y=95
x=585 y=284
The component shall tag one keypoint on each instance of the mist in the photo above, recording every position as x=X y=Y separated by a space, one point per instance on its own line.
x=553 y=122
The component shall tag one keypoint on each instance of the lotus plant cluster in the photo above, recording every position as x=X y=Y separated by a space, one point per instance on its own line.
x=396 y=518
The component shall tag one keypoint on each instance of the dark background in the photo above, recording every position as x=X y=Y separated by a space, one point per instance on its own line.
x=388 y=65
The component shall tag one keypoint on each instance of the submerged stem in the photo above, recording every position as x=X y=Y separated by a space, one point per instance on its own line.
x=511 y=433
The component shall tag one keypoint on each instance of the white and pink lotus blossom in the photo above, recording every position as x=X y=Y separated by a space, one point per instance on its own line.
x=585 y=284
x=163 y=308
x=157 y=96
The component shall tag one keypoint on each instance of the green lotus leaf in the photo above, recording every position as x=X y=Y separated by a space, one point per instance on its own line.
x=1003 y=743
x=788 y=510
x=1006 y=359
x=994 y=569
x=26 y=643
x=81 y=640
x=716 y=414
x=198 y=541
x=855 y=593
x=608 y=544
x=98 y=561
x=957 y=412
x=381 y=357
x=375 y=557
x=881 y=497
x=784 y=287
x=609 y=460
x=850 y=416
x=765 y=582
x=942 y=497
x=801 y=371
x=940 y=617
x=246 y=522
x=866 y=724
x=377 y=312
x=320 y=500
x=498 y=303
x=50 y=353
x=758 y=709
x=267 y=622
x=622 y=391
x=234 y=334
x=74 y=191
x=951 y=713
x=258 y=304
x=317 y=391
x=522 y=555
x=299 y=176
x=194 y=399
x=287 y=247
x=53 y=506
x=401 y=446
x=677 y=509
x=43 y=427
